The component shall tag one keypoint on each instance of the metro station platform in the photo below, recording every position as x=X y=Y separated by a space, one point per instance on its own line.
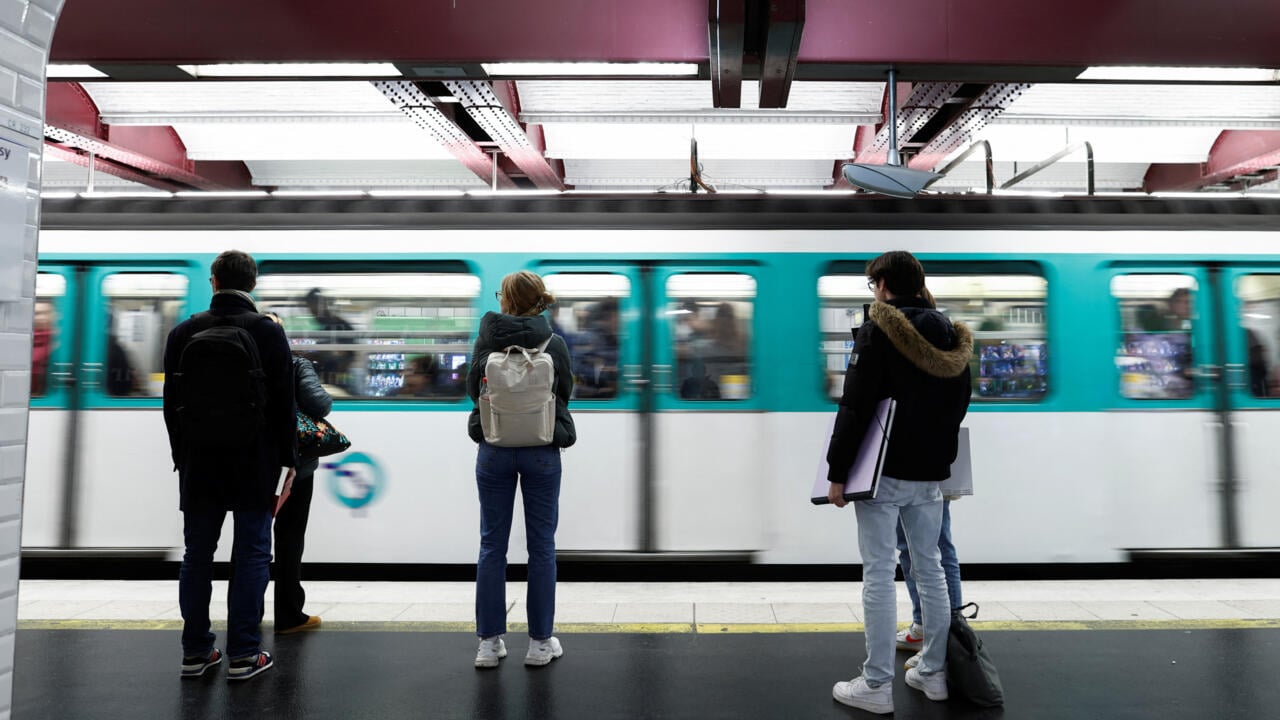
x=1163 y=649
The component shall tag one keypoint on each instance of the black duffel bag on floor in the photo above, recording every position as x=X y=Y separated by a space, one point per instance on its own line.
x=970 y=673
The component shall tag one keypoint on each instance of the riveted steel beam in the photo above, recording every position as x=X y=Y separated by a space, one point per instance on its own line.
x=781 y=51
x=418 y=106
x=978 y=110
x=1235 y=154
x=152 y=155
x=923 y=102
x=495 y=107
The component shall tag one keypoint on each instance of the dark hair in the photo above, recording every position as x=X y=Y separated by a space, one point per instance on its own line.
x=902 y=273
x=235 y=270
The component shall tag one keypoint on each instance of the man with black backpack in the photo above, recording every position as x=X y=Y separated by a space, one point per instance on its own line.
x=229 y=409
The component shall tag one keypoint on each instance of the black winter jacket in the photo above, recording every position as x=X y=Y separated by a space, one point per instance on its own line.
x=245 y=481
x=497 y=332
x=910 y=352
x=312 y=399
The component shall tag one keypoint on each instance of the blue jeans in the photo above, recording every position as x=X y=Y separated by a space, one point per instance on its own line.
x=498 y=469
x=251 y=548
x=919 y=506
x=950 y=564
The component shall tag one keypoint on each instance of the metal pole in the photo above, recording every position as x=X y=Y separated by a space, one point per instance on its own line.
x=494 y=154
x=1222 y=403
x=92 y=162
x=990 y=167
x=893 y=158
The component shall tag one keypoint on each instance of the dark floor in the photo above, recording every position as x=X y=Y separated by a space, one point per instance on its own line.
x=1117 y=674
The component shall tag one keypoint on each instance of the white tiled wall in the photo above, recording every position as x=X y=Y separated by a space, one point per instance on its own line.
x=26 y=29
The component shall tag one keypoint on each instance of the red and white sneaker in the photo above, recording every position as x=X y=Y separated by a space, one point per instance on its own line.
x=911 y=639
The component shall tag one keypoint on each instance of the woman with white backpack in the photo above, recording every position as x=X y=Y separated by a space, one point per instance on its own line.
x=521 y=421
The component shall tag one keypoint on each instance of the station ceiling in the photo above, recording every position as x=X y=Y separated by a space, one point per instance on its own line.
x=410 y=97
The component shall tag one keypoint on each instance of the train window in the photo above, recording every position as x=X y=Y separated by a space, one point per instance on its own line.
x=379 y=335
x=586 y=314
x=1154 y=359
x=50 y=291
x=141 y=310
x=1005 y=312
x=711 y=333
x=1259 y=297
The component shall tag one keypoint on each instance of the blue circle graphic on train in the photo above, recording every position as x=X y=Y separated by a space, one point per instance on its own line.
x=356 y=480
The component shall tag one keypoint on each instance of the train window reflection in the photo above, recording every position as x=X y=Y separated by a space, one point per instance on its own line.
x=1005 y=312
x=141 y=310
x=384 y=335
x=1154 y=359
x=50 y=291
x=587 y=316
x=1259 y=297
x=710 y=319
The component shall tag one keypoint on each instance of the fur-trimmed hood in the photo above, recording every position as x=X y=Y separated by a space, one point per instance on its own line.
x=918 y=349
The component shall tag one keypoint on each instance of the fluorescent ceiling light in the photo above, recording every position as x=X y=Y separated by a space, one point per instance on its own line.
x=318 y=193
x=73 y=71
x=492 y=193
x=58 y=194
x=127 y=194
x=1180 y=74
x=293 y=70
x=220 y=193
x=590 y=69
x=415 y=193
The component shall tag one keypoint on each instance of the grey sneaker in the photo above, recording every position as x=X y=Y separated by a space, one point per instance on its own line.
x=492 y=649
x=542 y=652
x=857 y=693
x=933 y=686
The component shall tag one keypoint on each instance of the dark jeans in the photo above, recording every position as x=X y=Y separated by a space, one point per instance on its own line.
x=537 y=470
x=251 y=547
x=291 y=527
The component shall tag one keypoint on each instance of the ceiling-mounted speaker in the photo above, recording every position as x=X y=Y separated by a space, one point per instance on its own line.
x=892 y=178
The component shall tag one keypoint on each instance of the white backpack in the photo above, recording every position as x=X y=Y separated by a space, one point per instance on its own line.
x=517 y=398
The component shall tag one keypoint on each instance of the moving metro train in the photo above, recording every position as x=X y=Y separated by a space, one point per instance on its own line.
x=1126 y=388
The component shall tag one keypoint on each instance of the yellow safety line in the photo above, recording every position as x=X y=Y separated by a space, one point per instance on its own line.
x=676 y=628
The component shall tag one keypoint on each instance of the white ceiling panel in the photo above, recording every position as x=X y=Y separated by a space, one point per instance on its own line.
x=722 y=173
x=686 y=95
x=402 y=140
x=671 y=141
x=1180 y=104
x=363 y=173
x=1064 y=176
x=59 y=175
x=1110 y=144
x=237 y=97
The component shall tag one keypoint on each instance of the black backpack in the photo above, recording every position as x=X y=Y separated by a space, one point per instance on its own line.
x=970 y=672
x=222 y=389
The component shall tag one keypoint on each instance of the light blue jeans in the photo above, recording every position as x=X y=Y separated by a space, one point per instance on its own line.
x=537 y=472
x=950 y=565
x=919 y=506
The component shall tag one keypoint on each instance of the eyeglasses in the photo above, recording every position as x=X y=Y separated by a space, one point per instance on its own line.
x=498 y=296
x=871 y=284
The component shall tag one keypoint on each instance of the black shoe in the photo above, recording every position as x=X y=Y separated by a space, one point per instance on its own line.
x=245 y=668
x=193 y=667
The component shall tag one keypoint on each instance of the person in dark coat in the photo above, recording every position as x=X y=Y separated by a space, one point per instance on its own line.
x=291 y=521
x=908 y=351
x=212 y=482
x=523 y=300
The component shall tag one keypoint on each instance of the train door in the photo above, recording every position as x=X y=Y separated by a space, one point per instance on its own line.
x=709 y=434
x=1192 y=351
x=114 y=487
x=51 y=428
x=599 y=311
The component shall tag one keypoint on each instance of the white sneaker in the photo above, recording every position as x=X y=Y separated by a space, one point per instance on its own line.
x=492 y=649
x=912 y=661
x=857 y=693
x=542 y=652
x=933 y=686
x=911 y=639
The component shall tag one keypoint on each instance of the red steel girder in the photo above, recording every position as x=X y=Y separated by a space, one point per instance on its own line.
x=495 y=108
x=726 y=38
x=781 y=51
x=419 y=107
x=109 y=167
x=1234 y=154
x=978 y=33
x=155 y=153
